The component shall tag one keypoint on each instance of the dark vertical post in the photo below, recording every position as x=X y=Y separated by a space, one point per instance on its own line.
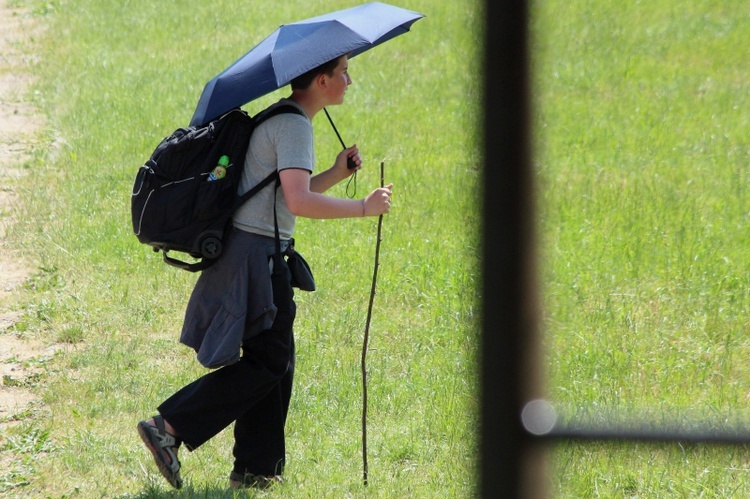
x=511 y=465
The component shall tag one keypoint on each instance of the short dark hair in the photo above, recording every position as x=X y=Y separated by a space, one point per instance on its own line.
x=304 y=80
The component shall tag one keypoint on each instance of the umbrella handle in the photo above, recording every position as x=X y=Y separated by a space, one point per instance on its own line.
x=349 y=161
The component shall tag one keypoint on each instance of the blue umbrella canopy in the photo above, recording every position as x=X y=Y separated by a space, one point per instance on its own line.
x=296 y=48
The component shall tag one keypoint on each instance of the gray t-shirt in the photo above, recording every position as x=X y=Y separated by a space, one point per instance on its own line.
x=281 y=142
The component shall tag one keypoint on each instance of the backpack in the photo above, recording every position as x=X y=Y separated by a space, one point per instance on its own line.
x=184 y=196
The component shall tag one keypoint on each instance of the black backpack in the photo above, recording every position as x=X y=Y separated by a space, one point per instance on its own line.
x=179 y=204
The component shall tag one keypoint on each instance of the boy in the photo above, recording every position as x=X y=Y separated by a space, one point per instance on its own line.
x=248 y=283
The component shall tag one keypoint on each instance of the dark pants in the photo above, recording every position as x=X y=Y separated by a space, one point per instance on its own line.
x=254 y=393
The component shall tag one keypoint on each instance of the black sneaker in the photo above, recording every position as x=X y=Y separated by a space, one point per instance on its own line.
x=250 y=481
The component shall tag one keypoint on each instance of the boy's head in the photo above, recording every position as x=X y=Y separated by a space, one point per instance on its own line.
x=303 y=81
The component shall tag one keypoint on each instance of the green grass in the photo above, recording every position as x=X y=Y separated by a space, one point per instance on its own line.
x=642 y=159
x=116 y=77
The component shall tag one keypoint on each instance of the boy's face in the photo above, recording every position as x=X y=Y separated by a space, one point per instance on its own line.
x=339 y=81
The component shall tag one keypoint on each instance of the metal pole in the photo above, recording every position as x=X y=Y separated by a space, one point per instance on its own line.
x=511 y=461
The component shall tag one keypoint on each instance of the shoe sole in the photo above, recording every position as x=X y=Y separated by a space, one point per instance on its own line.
x=145 y=433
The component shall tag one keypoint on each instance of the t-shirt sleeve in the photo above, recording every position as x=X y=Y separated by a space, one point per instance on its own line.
x=294 y=142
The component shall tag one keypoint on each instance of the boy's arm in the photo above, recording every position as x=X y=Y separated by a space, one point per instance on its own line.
x=304 y=202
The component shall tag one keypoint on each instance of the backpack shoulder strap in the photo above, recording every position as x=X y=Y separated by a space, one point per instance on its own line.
x=260 y=118
x=274 y=111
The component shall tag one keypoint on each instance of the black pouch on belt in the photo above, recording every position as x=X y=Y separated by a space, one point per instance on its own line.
x=302 y=276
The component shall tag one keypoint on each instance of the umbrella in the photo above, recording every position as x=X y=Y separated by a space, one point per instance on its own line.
x=293 y=49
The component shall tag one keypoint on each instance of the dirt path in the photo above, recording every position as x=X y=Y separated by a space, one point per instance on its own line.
x=19 y=127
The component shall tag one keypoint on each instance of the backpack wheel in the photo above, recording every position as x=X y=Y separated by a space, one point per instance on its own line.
x=211 y=247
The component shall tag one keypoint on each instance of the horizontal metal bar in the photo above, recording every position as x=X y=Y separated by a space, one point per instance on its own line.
x=541 y=420
x=635 y=434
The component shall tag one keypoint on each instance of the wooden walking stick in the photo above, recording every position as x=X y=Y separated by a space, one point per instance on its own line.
x=367 y=334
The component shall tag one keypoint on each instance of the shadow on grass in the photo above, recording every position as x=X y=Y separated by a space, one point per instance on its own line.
x=152 y=491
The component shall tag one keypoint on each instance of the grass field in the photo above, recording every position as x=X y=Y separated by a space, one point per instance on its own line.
x=116 y=77
x=642 y=153
x=641 y=157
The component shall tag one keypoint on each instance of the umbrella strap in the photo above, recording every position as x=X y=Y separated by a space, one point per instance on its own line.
x=352 y=181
